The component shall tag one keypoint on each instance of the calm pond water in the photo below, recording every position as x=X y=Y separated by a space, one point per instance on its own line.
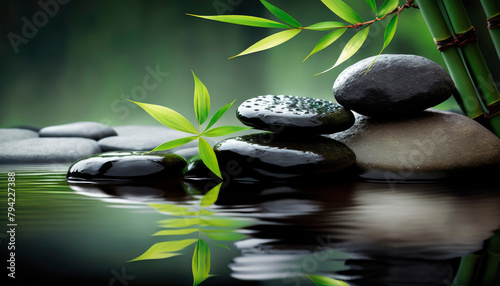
x=258 y=234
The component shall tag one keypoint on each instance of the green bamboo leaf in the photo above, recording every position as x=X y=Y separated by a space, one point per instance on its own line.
x=343 y=10
x=326 y=281
x=324 y=26
x=176 y=231
x=206 y=212
x=282 y=15
x=225 y=222
x=224 y=235
x=390 y=30
x=201 y=262
x=223 y=246
x=223 y=130
x=351 y=48
x=168 y=117
x=211 y=196
x=169 y=209
x=219 y=114
x=174 y=143
x=208 y=157
x=244 y=21
x=173 y=210
x=180 y=222
x=386 y=7
x=201 y=100
x=270 y=42
x=165 y=249
x=372 y=5
x=326 y=41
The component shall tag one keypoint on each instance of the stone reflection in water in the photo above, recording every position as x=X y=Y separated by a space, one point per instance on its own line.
x=362 y=233
x=138 y=192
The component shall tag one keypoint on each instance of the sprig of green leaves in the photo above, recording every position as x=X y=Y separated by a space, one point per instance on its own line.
x=352 y=20
x=176 y=121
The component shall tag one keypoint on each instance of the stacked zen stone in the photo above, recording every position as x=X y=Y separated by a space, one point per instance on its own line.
x=294 y=148
x=85 y=142
x=54 y=144
x=394 y=138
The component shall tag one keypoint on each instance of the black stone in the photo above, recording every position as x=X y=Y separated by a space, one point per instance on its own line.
x=291 y=114
x=84 y=129
x=127 y=166
x=395 y=86
x=270 y=156
x=196 y=169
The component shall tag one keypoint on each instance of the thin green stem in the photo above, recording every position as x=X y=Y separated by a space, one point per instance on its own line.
x=409 y=4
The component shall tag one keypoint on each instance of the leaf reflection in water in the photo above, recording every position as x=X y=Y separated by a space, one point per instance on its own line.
x=182 y=220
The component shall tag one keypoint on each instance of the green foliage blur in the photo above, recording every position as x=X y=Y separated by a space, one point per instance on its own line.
x=90 y=56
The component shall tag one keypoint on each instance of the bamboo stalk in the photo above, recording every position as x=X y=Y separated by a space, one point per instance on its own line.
x=437 y=26
x=474 y=60
x=491 y=262
x=466 y=271
x=492 y=8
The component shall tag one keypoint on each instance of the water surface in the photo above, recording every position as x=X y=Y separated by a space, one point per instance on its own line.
x=362 y=233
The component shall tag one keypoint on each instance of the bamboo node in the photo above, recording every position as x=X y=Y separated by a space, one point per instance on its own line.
x=493 y=22
x=493 y=110
x=461 y=39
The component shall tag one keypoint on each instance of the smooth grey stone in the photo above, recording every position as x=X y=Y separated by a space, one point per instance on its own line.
x=266 y=155
x=47 y=150
x=27 y=127
x=395 y=86
x=434 y=145
x=188 y=152
x=139 y=138
x=84 y=129
x=127 y=166
x=16 y=134
x=292 y=114
x=144 y=138
x=127 y=130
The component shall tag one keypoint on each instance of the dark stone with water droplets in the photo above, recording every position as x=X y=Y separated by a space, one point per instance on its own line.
x=127 y=166
x=271 y=156
x=291 y=114
x=395 y=86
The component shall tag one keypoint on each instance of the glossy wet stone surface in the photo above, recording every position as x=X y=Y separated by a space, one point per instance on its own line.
x=127 y=166
x=265 y=155
x=433 y=145
x=84 y=129
x=288 y=114
x=395 y=86
x=47 y=150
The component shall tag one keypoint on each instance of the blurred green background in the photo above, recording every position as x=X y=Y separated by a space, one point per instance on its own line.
x=89 y=56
